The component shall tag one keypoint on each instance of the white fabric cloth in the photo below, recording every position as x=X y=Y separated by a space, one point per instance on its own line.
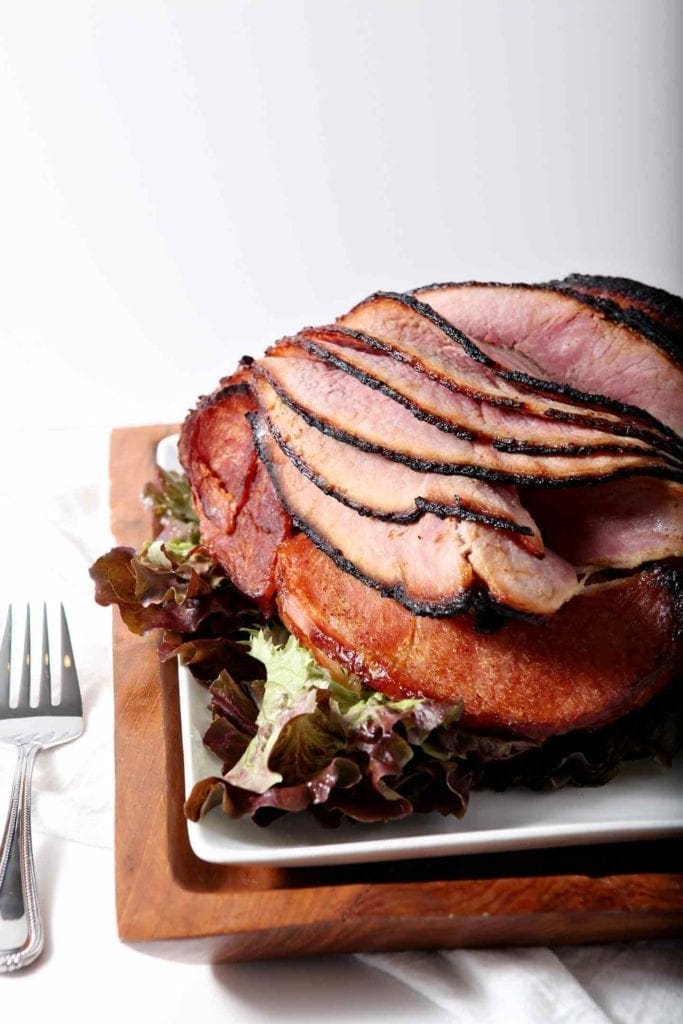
x=50 y=540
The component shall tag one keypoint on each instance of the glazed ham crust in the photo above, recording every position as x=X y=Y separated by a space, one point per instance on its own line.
x=241 y=519
x=606 y=652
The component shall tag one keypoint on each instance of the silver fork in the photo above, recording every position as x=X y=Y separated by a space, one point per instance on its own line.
x=29 y=729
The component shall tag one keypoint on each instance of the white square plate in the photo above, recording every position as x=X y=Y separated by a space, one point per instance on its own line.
x=643 y=802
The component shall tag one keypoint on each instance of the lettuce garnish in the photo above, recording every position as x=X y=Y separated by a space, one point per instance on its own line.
x=301 y=738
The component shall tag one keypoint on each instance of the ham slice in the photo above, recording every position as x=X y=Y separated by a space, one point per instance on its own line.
x=436 y=567
x=606 y=652
x=373 y=363
x=565 y=341
x=618 y=525
x=338 y=404
x=418 y=334
x=378 y=487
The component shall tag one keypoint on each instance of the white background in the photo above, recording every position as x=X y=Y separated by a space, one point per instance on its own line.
x=181 y=183
x=184 y=182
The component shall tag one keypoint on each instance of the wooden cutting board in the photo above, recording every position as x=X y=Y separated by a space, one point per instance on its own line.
x=178 y=906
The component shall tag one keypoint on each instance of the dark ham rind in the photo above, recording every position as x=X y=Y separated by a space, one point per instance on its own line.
x=375 y=486
x=372 y=362
x=606 y=652
x=436 y=567
x=337 y=404
x=571 y=346
x=618 y=525
x=655 y=306
x=241 y=519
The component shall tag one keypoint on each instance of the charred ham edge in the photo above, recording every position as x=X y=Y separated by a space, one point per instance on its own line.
x=633 y=416
x=656 y=306
x=606 y=652
x=447 y=407
x=350 y=475
x=460 y=462
x=619 y=525
x=435 y=567
x=241 y=519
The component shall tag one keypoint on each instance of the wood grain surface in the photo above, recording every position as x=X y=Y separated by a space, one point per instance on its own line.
x=172 y=904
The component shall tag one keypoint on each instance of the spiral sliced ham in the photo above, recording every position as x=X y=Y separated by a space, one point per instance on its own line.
x=417 y=333
x=619 y=525
x=473 y=457
x=653 y=305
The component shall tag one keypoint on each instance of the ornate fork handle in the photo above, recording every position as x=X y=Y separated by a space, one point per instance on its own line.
x=21 y=926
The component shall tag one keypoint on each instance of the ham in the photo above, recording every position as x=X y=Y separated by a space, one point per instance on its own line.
x=337 y=403
x=606 y=652
x=497 y=457
x=420 y=335
x=376 y=486
x=646 y=306
x=618 y=525
x=241 y=519
x=436 y=567
x=561 y=339
x=374 y=364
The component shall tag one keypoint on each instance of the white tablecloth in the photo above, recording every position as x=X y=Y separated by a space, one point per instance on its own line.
x=54 y=518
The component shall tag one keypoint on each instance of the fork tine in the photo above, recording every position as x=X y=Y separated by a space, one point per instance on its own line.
x=5 y=660
x=45 y=688
x=24 y=699
x=70 y=702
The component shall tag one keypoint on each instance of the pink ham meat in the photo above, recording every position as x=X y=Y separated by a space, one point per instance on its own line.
x=416 y=333
x=337 y=403
x=552 y=335
x=372 y=362
x=241 y=519
x=618 y=525
x=351 y=475
x=435 y=567
x=642 y=303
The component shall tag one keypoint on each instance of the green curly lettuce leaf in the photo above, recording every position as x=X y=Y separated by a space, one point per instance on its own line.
x=302 y=739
